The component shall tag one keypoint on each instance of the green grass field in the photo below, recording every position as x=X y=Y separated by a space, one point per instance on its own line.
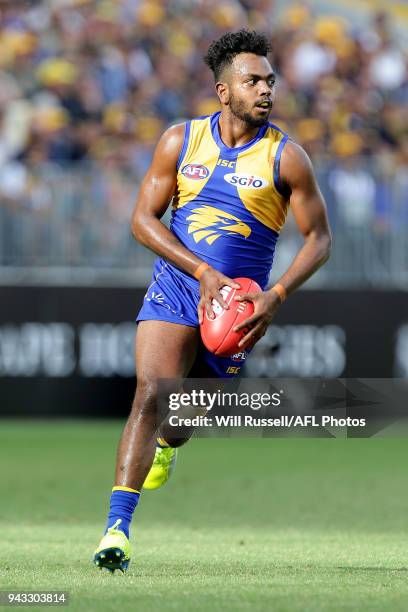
x=245 y=524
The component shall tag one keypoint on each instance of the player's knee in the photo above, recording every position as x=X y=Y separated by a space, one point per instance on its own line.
x=145 y=400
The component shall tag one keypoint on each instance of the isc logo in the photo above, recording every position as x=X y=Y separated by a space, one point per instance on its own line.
x=245 y=181
x=233 y=370
x=227 y=163
x=197 y=172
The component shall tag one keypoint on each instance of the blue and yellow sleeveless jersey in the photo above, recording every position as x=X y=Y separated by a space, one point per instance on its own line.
x=228 y=207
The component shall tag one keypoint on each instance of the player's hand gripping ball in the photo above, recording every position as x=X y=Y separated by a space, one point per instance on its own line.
x=217 y=334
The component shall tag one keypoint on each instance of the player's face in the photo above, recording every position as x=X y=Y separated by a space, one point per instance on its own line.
x=251 y=89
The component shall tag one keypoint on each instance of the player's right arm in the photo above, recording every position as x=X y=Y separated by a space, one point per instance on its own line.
x=155 y=194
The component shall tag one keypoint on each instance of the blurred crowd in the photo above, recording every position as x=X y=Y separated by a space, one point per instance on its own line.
x=93 y=83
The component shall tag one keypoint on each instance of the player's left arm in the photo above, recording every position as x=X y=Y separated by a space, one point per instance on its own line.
x=309 y=211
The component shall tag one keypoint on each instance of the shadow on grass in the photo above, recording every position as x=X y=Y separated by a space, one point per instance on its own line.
x=251 y=569
x=352 y=568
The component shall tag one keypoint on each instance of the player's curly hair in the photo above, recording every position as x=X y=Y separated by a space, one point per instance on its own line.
x=221 y=52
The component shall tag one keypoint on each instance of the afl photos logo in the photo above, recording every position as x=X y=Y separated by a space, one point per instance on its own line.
x=245 y=181
x=197 y=172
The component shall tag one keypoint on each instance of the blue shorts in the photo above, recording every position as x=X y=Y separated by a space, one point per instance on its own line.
x=173 y=296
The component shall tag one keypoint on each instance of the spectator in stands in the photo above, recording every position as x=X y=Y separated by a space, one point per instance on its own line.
x=87 y=83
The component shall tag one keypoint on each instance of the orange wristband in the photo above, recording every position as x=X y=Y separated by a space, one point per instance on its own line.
x=200 y=270
x=281 y=291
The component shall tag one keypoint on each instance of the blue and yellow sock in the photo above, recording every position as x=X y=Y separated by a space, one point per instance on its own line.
x=161 y=443
x=123 y=502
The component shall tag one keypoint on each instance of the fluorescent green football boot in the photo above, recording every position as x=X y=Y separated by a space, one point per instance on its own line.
x=162 y=467
x=113 y=551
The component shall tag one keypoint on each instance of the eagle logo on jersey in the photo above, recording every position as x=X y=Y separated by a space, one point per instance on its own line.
x=210 y=223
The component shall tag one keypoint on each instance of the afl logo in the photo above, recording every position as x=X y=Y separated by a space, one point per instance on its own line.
x=239 y=356
x=197 y=172
x=245 y=181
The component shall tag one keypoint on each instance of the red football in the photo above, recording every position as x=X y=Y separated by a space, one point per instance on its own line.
x=217 y=334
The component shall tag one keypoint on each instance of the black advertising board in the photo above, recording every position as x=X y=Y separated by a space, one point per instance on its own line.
x=69 y=351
